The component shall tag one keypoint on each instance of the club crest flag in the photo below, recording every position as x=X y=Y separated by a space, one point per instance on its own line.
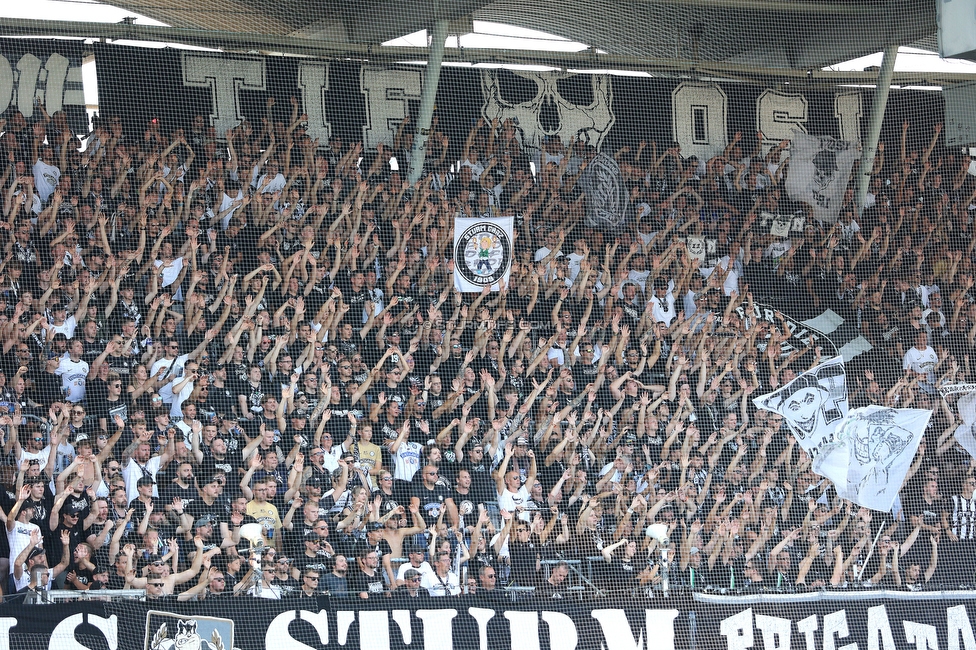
x=607 y=198
x=877 y=445
x=813 y=404
x=483 y=251
x=820 y=168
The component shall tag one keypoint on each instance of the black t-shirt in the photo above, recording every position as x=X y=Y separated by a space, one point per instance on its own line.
x=84 y=576
x=219 y=511
x=172 y=490
x=229 y=464
x=548 y=590
x=319 y=563
x=431 y=501
x=288 y=586
x=361 y=583
x=108 y=409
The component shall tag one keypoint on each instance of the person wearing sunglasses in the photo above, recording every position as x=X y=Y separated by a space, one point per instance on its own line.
x=410 y=588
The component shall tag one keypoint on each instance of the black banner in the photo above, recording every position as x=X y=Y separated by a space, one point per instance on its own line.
x=838 y=621
x=46 y=72
x=357 y=102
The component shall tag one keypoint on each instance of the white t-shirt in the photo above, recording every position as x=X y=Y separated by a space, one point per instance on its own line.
x=408 y=457
x=511 y=500
x=41 y=457
x=275 y=184
x=133 y=471
x=67 y=328
x=20 y=538
x=225 y=203
x=477 y=169
x=174 y=374
x=46 y=178
x=73 y=375
x=172 y=270
x=921 y=361
x=449 y=585
x=424 y=570
x=662 y=310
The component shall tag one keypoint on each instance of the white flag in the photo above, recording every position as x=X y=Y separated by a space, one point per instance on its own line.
x=820 y=168
x=878 y=445
x=813 y=404
x=965 y=433
x=483 y=252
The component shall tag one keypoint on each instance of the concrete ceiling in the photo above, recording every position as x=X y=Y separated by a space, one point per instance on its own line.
x=762 y=34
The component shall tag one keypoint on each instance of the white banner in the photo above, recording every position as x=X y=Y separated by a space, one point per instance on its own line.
x=965 y=433
x=877 y=444
x=813 y=404
x=483 y=251
x=952 y=389
x=866 y=452
x=820 y=168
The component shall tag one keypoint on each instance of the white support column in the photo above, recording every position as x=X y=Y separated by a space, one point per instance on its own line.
x=874 y=126
x=427 y=98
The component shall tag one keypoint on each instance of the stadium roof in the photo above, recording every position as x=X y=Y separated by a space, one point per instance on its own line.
x=718 y=37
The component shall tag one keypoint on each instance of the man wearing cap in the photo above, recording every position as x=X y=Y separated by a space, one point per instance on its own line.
x=62 y=323
x=203 y=528
x=31 y=558
x=211 y=506
x=138 y=462
x=144 y=503
x=282 y=577
x=316 y=552
x=70 y=521
x=409 y=587
x=20 y=529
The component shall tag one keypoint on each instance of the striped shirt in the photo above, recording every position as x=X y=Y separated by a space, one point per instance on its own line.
x=962 y=516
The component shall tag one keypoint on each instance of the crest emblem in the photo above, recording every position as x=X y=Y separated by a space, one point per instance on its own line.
x=483 y=253
x=167 y=631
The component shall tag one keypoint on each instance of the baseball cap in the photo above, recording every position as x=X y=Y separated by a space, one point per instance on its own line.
x=205 y=520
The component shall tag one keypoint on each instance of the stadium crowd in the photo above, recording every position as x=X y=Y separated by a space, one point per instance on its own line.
x=203 y=331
